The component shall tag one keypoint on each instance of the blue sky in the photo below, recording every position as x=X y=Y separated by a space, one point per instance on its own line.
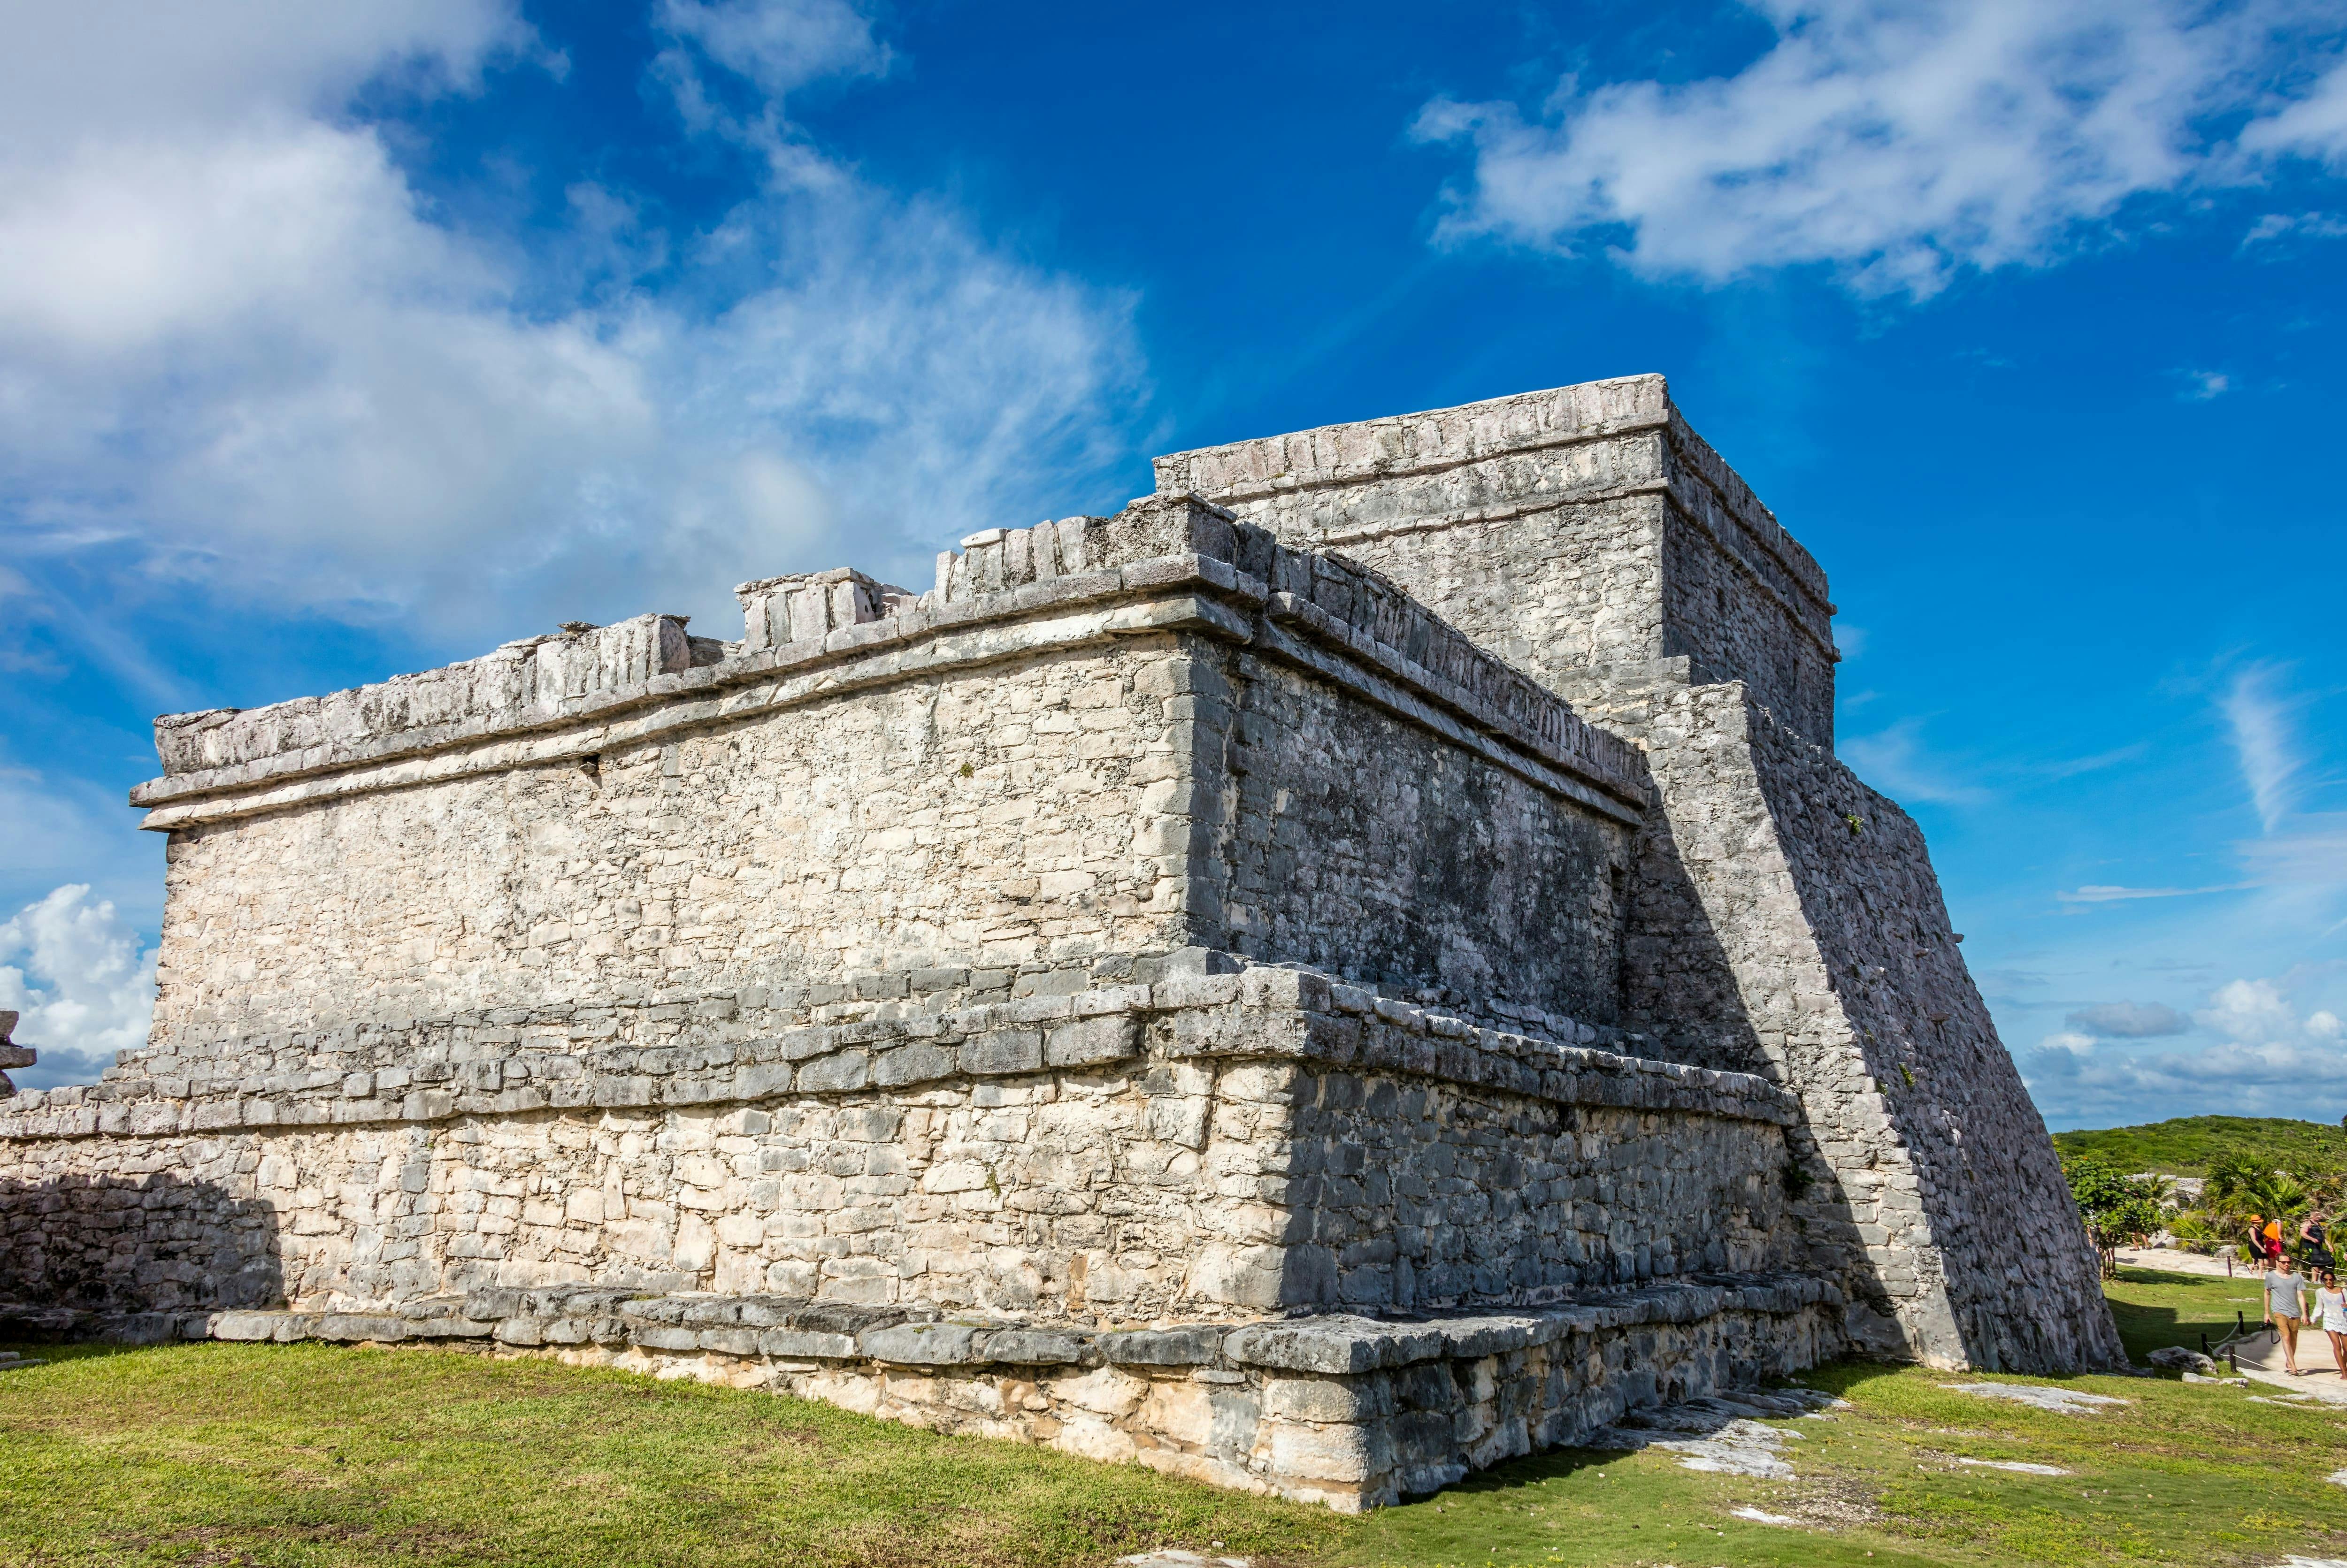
x=341 y=340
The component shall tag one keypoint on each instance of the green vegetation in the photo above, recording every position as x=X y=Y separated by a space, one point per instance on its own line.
x=2116 y=1208
x=330 y=1458
x=2189 y=1145
x=312 y=1457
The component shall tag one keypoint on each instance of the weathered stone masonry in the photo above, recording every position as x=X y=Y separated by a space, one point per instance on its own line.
x=1172 y=991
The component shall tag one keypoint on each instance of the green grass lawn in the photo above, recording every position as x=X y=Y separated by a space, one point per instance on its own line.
x=2154 y=1307
x=215 y=1455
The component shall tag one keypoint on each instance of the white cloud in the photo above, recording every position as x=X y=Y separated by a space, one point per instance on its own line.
x=132 y=71
x=2250 y=1011
x=779 y=45
x=239 y=352
x=2204 y=385
x=1894 y=761
x=2232 y=1078
x=2271 y=1062
x=1896 y=141
x=76 y=973
x=2128 y=1020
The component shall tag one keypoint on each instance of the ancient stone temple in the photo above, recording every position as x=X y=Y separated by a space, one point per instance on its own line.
x=1359 y=966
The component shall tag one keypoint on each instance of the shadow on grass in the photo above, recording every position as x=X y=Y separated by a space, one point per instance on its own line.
x=1553 y=1464
x=2154 y=1307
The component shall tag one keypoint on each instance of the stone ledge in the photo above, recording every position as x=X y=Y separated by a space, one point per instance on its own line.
x=799 y=1327
x=1262 y=1013
x=1348 y=1411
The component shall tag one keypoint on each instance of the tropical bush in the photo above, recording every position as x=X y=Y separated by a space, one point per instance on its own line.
x=2116 y=1208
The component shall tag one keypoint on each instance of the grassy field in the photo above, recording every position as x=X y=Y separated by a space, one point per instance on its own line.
x=2154 y=1307
x=209 y=1456
x=2187 y=1145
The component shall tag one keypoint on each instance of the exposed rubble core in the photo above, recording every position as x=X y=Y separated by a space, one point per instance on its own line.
x=1361 y=964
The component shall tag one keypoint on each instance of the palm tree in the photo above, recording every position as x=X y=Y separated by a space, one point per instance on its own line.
x=2241 y=1191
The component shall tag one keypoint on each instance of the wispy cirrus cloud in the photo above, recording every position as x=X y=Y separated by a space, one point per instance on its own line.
x=2275 y=226
x=2260 y=713
x=2071 y=767
x=1896 y=761
x=2261 y=718
x=2098 y=893
x=1899 y=142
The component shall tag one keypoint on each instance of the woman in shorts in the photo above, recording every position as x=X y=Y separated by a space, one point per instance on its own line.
x=2331 y=1316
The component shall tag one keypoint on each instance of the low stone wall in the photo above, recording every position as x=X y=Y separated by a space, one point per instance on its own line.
x=1345 y=1410
x=1210 y=1144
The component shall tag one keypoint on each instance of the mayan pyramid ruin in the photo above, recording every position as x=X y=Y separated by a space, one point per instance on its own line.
x=1361 y=964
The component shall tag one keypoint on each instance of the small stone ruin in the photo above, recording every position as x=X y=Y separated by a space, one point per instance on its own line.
x=1359 y=966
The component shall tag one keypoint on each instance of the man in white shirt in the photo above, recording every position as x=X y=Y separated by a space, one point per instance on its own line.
x=2286 y=1306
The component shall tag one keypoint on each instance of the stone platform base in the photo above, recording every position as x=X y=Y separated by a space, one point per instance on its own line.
x=1349 y=1411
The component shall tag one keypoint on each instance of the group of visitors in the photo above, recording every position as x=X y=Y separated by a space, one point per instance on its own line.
x=2313 y=1241
x=2286 y=1289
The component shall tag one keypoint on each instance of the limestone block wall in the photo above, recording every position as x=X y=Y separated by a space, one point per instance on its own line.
x=1419 y=1196
x=1063 y=751
x=1210 y=1147
x=1780 y=917
x=1815 y=905
x=1357 y=843
x=1583 y=530
x=988 y=817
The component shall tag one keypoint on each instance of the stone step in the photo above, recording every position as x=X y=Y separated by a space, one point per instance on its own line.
x=1346 y=1410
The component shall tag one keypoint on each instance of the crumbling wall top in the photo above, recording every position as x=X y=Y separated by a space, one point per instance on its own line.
x=1427 y=442
x=1160 y=546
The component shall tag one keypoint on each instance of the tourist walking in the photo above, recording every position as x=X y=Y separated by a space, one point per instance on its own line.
x=2331 y=1316
x=2285 y=1306
x=2314 y=1237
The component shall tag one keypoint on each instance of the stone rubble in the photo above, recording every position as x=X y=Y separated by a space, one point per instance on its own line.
x=11 y=1053
x=1361 y=964
x=1724 y=1433
x=2039 y=1396
x=2018 y=1466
